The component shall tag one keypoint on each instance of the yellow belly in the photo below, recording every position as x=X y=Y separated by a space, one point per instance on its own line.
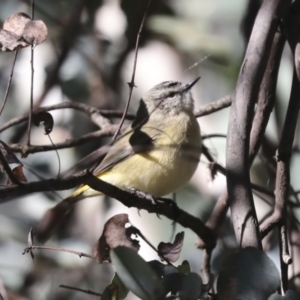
x=162 y=170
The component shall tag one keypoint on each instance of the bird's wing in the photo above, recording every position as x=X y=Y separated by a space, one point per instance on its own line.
x=132 y=142
x=137 y=138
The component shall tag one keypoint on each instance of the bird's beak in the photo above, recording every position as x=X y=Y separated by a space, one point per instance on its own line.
x=188 y=86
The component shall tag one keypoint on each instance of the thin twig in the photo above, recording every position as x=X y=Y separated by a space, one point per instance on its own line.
x=93 y=113
x=223 y=171
x=213 y=135
x=131 y=83
x=58 y=158
x=80 y=290
x=32 y=9
x=9 y=82
x=32 y=82
x=25 y=150
x=142 y=236
x=80 y=254
x=214 y=106
x=31 y=97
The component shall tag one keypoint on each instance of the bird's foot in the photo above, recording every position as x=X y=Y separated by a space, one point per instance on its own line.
x=143 y=195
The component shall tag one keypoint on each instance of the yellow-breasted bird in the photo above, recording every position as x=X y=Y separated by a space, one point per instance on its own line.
x=158 y=153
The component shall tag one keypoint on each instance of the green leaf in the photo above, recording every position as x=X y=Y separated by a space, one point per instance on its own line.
x=110 y=293
x=191 y=286
x=248 y=274
x=184 y=268
x=173 y=282
x=136 y=274
x=115 y=291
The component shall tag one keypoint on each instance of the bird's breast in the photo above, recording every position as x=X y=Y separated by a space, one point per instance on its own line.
x=169 y=165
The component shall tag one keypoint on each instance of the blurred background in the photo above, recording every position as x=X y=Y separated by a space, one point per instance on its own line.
x=88 y=58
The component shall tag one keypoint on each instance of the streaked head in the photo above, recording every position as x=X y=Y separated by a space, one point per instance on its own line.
x=171 y=97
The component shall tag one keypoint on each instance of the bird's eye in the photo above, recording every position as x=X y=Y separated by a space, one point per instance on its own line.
x=172 y=94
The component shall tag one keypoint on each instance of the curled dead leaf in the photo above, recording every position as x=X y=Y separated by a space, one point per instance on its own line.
x=171 y=251
x=115 y=233
x=45 y=118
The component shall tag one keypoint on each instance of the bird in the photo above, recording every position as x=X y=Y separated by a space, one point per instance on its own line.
x=159 y=151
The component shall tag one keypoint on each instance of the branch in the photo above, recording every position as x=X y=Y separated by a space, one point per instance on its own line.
x=266 y=99
x=29 y=149
x=9 y=82
x=94 y=114
x=130 y=200
x=243 y=212
x=214 y=106
x=131 y=84
x=267 y=95
x=282 y=190
x=284 y=152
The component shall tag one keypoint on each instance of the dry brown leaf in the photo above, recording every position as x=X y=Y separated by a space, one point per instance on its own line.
x=19 y=31
x=35 y=32
x=45 y=118
x=10 y=41
x=114 y=234
x=8 y=154
x=16 y=23
x=18 y=172
x=171 y=251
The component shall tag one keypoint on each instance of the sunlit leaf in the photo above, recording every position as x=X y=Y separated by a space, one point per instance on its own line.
x=136 y=274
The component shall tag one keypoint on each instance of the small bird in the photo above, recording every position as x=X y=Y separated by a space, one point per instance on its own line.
x=159 y=152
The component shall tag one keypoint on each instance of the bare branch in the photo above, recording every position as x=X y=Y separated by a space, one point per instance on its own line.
x=130 y=200
x=284 y=152
x=93 y=113
x=267 y=95
x=25 y=149
x=9 y=82
x=214 y=106
x=80 y=254
x=80 y=290
x=31 y=93
x=131 y=83
x=241 y=114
